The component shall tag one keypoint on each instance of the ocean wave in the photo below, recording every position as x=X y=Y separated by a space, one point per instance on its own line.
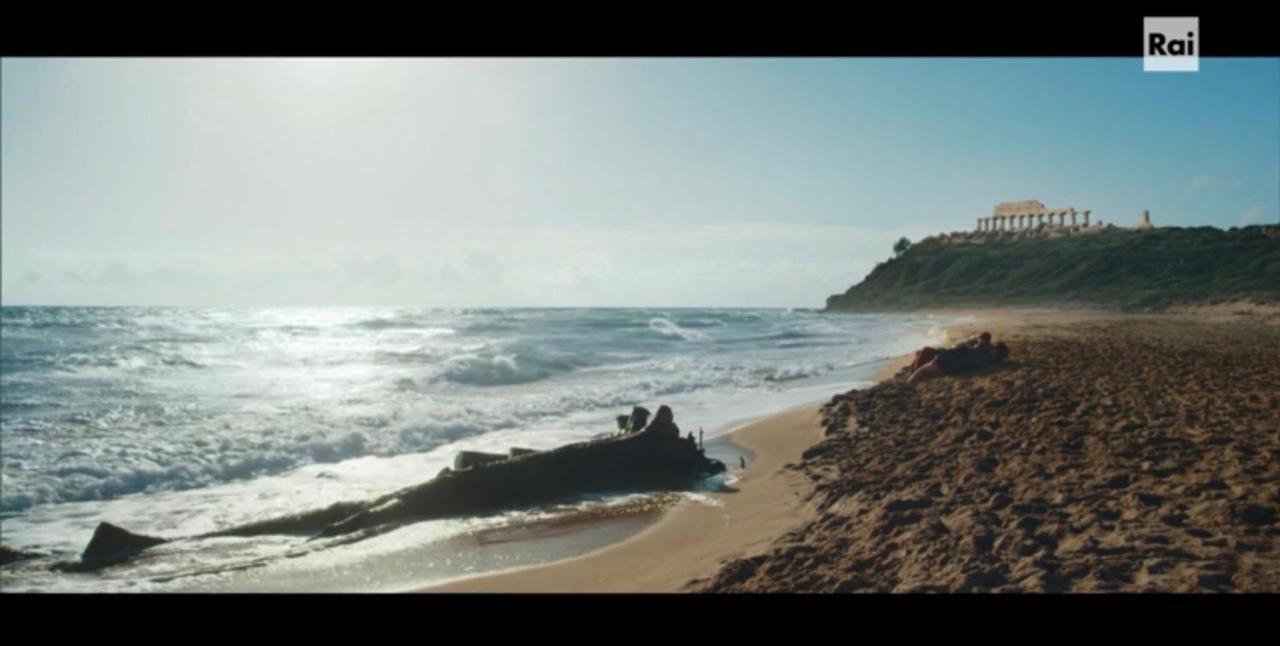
x=130 y=359
x=696 y=323
x=792 y=373
x=101 y=474
x=161 y=400
x=668 y=329
x=419 y=356
x=398 y=321
x=501 y=369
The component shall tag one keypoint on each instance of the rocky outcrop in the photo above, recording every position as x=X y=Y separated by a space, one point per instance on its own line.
x=1091 y=267
x=655 y=457
x=9 y=555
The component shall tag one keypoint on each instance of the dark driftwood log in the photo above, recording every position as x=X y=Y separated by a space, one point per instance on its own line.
x=468 y=459
x=654 y=458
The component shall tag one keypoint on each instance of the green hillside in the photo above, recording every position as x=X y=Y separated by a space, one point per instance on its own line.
x=1123 y=269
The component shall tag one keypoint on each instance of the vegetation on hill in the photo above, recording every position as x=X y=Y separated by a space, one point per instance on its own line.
x=1124 y=269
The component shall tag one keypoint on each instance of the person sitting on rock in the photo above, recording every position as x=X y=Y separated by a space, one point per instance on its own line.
x=664 y=424
x=959 y=359
x=639 y=419
x=623 y=420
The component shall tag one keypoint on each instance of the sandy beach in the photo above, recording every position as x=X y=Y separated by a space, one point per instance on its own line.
x=692 y=540
x=1112 y=453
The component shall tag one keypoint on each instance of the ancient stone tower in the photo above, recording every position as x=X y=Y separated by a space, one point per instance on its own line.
x=1145 y=221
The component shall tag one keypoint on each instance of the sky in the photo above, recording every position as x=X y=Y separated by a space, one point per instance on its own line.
x=585 y=182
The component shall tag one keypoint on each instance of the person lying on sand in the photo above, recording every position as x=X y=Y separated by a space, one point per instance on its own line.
x=927 y=354
x=960 y=359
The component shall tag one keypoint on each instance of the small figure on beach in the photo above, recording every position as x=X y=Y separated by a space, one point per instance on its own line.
x=742 y=462
x=970 y=354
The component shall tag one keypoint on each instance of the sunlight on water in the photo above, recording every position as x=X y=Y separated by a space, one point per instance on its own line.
x=179 y=421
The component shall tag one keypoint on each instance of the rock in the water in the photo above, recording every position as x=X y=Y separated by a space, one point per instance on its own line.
x=468 y=459
x=664 y=423
x=111 y=541
x=9 y=555
x=478 y=483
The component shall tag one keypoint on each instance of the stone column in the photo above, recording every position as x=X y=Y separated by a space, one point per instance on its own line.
x=1086 y=217
x=1073 y=217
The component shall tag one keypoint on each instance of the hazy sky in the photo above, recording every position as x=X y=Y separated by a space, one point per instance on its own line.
x=585 y=182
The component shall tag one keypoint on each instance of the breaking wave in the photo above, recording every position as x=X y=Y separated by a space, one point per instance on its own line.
x=101 y=403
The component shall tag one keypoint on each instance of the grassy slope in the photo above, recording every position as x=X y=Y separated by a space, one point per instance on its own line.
x=1119 y=269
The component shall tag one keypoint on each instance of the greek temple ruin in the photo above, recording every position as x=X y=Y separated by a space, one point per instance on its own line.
x=1030 y=214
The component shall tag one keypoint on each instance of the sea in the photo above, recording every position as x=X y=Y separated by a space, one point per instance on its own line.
x=178 y=421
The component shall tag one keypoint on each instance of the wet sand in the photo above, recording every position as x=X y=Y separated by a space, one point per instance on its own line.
x=1113 y=453
x=694 y=537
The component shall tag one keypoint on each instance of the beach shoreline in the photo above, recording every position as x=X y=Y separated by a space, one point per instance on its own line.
x=694 y=543
x=693 y=537
x=688 y=543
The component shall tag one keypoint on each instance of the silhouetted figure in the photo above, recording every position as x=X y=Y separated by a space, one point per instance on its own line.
x=742 y=461
x=664 y=423
x=639 y=419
